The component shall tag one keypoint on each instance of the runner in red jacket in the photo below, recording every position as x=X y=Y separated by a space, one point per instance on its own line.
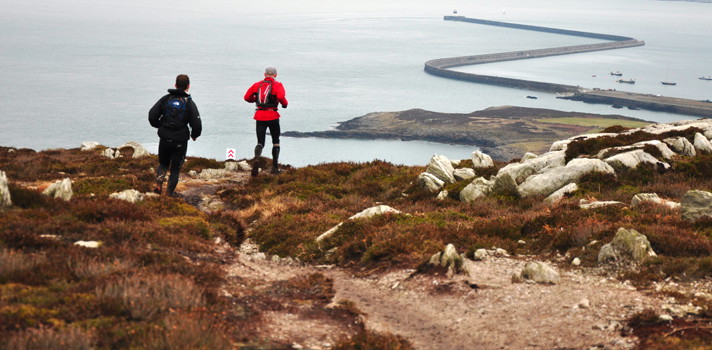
x=267 y=94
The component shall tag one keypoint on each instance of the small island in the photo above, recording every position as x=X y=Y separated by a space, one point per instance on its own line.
x=504 y=133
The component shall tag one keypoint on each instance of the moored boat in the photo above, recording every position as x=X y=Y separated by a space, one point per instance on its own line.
x=706 y=77
x=668 y=83
x=617 y=73
x=626 y=81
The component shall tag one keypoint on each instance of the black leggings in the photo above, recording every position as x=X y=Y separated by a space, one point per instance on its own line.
x=170 y=154
x=274 y=131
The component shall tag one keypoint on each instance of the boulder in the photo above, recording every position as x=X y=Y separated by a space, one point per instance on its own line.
x=481 y=254
x=61 y=189
x=521 y=171
x=560 y=193
x=626 y=246
x=138 y=150
x=681 y=146
x=652 y=198
x=634 y=158
x=89 y=145
x=702 y=144
x=463 y=174
x=562 y=145
x=237 y=166
x=480 y=187
x=527 y=156
x=665 y=151
x=504 y=184
x=481 y=160
x=696 y=204
x=539 y=272
x=130 y=195
x=88 y=244
x=212 y=174
x=547 y=183
x=442 y=168
x=430 y=182
x=111 y=153
x=5 y=200
x=442 y=195
x=448 y=258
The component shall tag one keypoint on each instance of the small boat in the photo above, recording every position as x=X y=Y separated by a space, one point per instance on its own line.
x=617 y=73
x=668 y=83
x=706 y=77
x=454 y=12
x=626 y=81
x=532 y=97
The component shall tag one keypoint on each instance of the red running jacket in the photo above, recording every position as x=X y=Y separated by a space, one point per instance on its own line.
x=277 y=90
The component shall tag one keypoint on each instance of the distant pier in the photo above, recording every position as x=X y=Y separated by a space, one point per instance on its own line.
x=440 y=67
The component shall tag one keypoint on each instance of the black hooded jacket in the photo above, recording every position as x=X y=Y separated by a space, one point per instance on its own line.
x=183 y=134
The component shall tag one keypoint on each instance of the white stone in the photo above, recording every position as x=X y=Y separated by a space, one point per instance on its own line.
x=442 y=195
x=366 y=213
x=212 y=174
x=576 y=262
x=560 y=193
x=702 y=144
x=521 y=171
x=89 y=145
x=540 y=273
x=139 y=150
x=481 y=160
x=111 y=153
x=547 y=183
x=627 y=245
x=586 y=204
x=463 y=174
x=61 y=189
x=480 y=187
x=88 y=244
x=5 y=200
x=681 y=145
x=129 y=195
x=632 y=159
x=481 y=254
x=442 y=168
x=430 y=182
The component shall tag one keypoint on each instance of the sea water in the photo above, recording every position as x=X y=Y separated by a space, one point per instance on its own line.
x=81 y=70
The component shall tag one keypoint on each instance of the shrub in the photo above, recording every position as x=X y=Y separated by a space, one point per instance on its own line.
x=181 y=225
x=91 y=267
x=148 y=296
x=44 y=338
x=369 y=340
x=181 y=331
x=13 y=262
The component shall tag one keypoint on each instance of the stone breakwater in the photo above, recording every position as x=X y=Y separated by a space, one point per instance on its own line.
x=440 y=67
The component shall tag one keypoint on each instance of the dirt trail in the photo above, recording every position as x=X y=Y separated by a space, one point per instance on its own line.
x=484 y=310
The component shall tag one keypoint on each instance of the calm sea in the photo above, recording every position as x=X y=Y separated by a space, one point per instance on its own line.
x=80 y=70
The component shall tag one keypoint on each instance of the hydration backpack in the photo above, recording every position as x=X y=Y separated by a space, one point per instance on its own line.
x=174 y=113
x=265 y=98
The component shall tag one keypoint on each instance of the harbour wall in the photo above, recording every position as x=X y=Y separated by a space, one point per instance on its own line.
x=439 y=67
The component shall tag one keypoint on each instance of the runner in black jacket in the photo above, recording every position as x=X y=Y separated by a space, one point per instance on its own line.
x=174 y=141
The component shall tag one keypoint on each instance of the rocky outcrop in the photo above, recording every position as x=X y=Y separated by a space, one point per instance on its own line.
x=480 y=187
x=696 y=204
x=560 y=193
x=627 y=246
x=138 y=150
x=430 y=182
x=5 y=200
x=550 y=181
x=61 y=189
x=632 y=159
x=89 y=145
x=521 y=171
x=481 y=160
x=682 y=146
x=702 y=144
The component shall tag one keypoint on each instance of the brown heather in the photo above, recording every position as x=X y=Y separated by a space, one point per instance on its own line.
x=156 y=280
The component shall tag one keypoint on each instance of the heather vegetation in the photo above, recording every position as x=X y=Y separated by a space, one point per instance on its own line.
x=156 y=280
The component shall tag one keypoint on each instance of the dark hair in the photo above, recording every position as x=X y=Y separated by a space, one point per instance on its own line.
x=182 y=82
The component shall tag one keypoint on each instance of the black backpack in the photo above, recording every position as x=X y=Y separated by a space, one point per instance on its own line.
x=175 y=112
x=265 y=98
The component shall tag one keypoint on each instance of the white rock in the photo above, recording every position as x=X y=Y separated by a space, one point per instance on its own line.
x=632 y=159
x=576 y=262
x=366 y=213
x=587 y=204
x=61 y=189
x=430 y=182
x=442 y=195
x=88 y=244
x=560 y=193
x=627 y=245
x=89 y=145
x=682 y=146
x=480 y=187
x=480 y=254
x=130 y=195
x=481 y=160
x=442 y=168
x=5 y=200
x=702 y=144
x=139 y=150
x=540 y=273
x=548 y=182
x=521 y=171
x=111 y=153
x=463 y=174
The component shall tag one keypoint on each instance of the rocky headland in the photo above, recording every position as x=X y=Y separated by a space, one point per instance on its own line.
x=504 y=133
